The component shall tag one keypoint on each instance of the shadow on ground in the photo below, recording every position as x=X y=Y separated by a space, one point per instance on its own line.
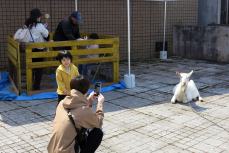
x=154 y=85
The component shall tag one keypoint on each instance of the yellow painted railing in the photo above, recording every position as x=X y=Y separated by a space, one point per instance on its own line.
x=109 y=46
x=13 y=54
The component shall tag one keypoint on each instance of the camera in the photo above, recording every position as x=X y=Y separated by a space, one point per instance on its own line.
x=97 y=88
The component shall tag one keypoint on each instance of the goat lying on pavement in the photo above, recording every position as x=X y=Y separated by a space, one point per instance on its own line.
x=186 y=90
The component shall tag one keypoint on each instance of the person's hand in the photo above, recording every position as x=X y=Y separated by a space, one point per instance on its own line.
x=85 y=37
x=66 y=92
x=46 y=25
x=80 y=39
x=101 y=98
x=92 y=96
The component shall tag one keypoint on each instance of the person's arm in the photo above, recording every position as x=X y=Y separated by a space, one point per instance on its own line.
x=76 y=71
x=99 y=108
x=99 y=114
x=89 y=119
x=60 y=83
x=44 y=31
x=67 y=29
x=91 y=98
x=77 y=33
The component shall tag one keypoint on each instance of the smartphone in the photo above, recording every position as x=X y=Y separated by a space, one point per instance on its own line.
x=97 y=88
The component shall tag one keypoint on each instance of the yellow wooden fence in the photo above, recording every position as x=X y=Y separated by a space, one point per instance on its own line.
x=13 y=54
x=109 y=47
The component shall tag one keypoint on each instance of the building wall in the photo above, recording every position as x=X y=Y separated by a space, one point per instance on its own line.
x=202 y=42
x=209 y=12
x=105 y=17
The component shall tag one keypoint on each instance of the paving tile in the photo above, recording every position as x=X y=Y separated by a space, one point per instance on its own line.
x=131 y=102
x=113 y=95
x=140 y=119
x=8 y=106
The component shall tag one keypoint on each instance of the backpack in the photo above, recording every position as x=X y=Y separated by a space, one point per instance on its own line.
x=22 y=35
x=82 y=134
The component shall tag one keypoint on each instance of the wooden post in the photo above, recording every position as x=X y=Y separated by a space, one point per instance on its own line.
x=19 y=68
x=75 y=58
x=116 y=63
x=28 y=70
x=13 y=52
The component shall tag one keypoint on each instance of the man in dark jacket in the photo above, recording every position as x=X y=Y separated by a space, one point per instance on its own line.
x=68 y=29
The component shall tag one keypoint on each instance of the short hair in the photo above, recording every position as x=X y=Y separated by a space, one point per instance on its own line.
x=94 y=36
x=80 y=83
x=63 y=54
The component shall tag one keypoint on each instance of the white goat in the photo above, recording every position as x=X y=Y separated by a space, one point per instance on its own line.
x=186 y=90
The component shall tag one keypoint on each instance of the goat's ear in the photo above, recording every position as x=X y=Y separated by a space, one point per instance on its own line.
x=190 y=73
x=178 y=73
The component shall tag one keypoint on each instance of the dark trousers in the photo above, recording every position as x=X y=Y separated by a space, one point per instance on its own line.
x=94 y=139
x=37 y=73
x=37 y=76
x=60 y=97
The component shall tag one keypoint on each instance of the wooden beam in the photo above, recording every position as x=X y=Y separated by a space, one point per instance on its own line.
x=14 y=88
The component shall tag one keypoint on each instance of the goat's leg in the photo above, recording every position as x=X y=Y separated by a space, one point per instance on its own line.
x=200 y=99
x=195 y=99
x=192 y=92
x=173 y=100
x=185 y=100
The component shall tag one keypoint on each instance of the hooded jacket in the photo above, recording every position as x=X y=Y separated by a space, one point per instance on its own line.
x=64 y=133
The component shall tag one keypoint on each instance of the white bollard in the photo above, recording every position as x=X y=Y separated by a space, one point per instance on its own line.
x=163 y=55
x=129 y=80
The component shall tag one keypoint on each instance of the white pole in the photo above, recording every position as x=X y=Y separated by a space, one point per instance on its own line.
x=76 y=3
x=164 y=26
x=128 y=14
x=227 y=12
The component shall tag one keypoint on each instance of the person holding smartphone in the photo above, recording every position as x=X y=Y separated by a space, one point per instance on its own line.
x=64 y=138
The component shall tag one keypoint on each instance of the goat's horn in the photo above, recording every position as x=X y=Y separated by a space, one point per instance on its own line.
x=190 y=73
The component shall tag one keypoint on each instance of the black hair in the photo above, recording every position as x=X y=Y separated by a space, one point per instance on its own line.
x=94 y=36
x=32 y=20
x=63 y=54
x=80 y=83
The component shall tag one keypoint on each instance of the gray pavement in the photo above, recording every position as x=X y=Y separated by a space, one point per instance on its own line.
x=139 y=120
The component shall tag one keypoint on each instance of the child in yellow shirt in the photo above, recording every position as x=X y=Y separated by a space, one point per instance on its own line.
x=64 y=74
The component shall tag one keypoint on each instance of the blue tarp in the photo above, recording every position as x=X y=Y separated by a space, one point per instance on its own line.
x=7 y=94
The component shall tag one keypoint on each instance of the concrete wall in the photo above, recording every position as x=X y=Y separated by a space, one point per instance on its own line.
x=209 y=12
x=210 y=43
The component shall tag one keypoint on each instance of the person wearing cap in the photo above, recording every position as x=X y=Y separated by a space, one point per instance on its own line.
x=68 y=29
x=38 y=33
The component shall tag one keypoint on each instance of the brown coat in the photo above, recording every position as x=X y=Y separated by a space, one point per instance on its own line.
x=63 y=138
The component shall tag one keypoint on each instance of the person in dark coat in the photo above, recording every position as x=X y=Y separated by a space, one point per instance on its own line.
x=68 y=29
